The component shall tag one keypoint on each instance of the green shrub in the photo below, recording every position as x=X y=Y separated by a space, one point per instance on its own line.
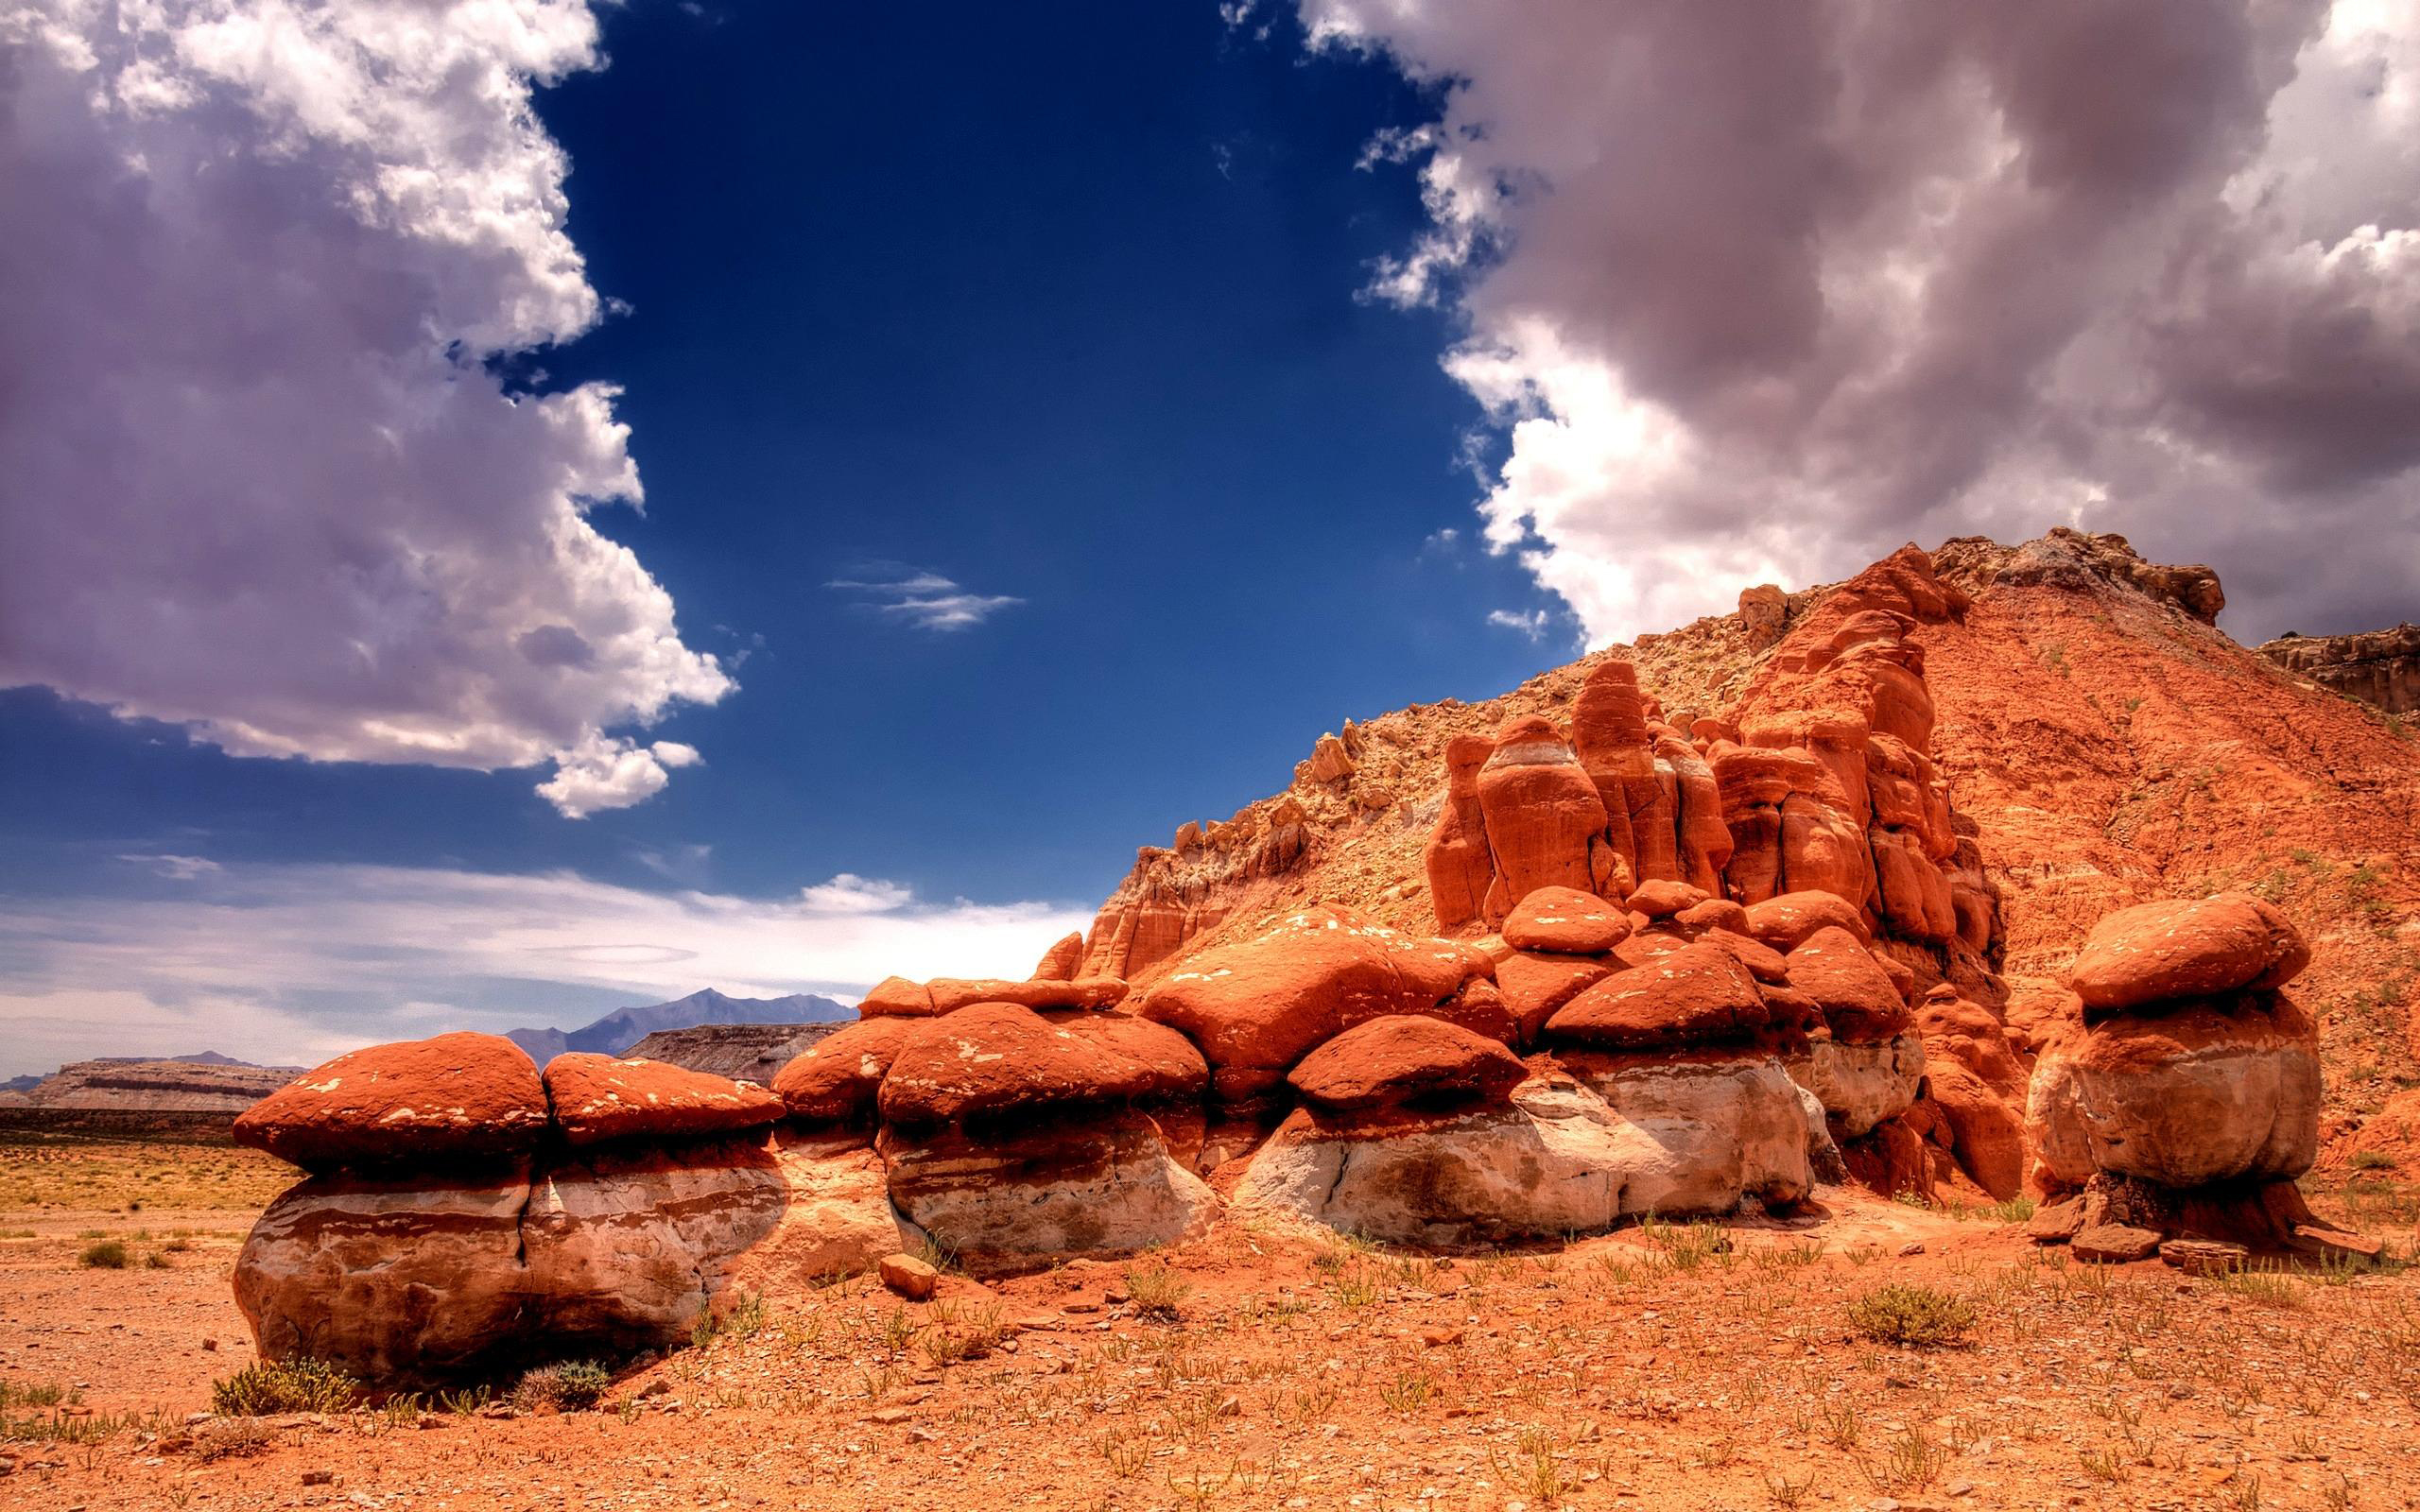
x=569 y=1385
x=1921 y=1316
x=109 y=1254
x=285 y=1385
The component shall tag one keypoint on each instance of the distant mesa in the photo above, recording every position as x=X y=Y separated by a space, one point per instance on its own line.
x=619 y=1032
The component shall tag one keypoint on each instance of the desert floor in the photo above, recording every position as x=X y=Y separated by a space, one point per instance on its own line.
x=1666 y=1366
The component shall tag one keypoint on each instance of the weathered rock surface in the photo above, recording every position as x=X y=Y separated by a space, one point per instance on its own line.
x=1403 y=1060
x=836 y=1079
x=996 y=1057
x=421 y=1278
x=603 y=1099
x=1566 y=920
x=1861 y=1084
x=1570 y=1154
x=2170 y=950
x=1699 y=994
x=457 y=1098
x=1102 y=1185
x=2379 y=667
x=2200 y=1095
x=1257 y=1007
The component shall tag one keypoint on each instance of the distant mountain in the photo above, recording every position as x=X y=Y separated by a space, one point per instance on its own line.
x=21 y=1083
x=615 y=1033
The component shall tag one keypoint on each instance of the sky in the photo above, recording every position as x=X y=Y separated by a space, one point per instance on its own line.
x=514 y=508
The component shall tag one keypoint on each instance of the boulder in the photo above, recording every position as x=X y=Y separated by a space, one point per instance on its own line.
x=454 y=1099
x=1787 y=921
x=421 y=1280
x=2205 y=1093
x=1165 y=1066
x=1098 y=1183
x=2114 y=1244
x=624 y=1249
x=1699 y=994
x=1479 y=1007
x=1855 y=994
x=2166 y=950
x=1542 y=814
x=994 y=1058
x=1535 y=985
x=601 y=1099
x=1257 y=1006
x=1715 y=913
x=834 y=1080
x=1062 y=960
x=895 y=997
x=1567 y=920
x=910 y=1277
x=1662 y=898
x=1403 y=1060
x=1566 y=1156
x=1763 y=962
x=401 y=1280
x=1861 y=1084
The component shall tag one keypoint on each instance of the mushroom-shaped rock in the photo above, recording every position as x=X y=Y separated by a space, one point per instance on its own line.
x=1856 y=995
x=1567 y=922
x=1715 y=913
x=1662 y=898
x=997 y=1058
x=1542 y=813
x=2207 y=1092
x=895 y=997
x=2162 y=951
x=1062 y=961
x=834 y=1080
x=1405 y=1060
x=417 y=1104
x=1699 y=994
x=599 y=1099
x=1534 y=985
x=1257 y=1006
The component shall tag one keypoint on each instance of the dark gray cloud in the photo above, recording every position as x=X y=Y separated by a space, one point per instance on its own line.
x=255 y=475
x=1761 y=291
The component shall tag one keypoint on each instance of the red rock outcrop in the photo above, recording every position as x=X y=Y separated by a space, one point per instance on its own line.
x=2381 y=668
x=421 y=1103
x=835 y=1080
x=2186 y=949
x=604 y=1099
x=1401 y=1061
x=1546 y=824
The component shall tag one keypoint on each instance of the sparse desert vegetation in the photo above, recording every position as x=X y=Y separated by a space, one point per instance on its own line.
x=1667 y=1364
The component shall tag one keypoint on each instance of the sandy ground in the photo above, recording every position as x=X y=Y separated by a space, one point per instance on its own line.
x=1685 y=1367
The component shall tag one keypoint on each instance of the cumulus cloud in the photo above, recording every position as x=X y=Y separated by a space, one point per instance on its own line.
x=924 y=599
x=1758 y=294
x=293 y=963
x=608 y=772
x=1532 y=625
x=259 y=474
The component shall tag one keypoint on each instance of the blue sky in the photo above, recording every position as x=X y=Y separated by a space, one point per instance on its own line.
x=1048 y=422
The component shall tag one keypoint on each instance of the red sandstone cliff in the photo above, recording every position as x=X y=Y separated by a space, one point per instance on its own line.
x=2097 y=737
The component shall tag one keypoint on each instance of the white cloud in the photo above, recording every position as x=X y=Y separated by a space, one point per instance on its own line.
x=848 y=893
x=1761 y=303
x=257 y=477
x=607 y=772
x=175 y=869
x=295 y=962
x=925 y=599
x=1532 y=625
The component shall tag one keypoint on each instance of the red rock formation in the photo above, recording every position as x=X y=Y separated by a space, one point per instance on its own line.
x=1609 y=727
x=1566 y=920
x=1457 y=860
x=2381 y=668
x=835 y=1080
x=1400 y=1061
x=602 y=1099
x=1063 y=961
x=2186 y=949
x=1546 y=825
x=421 y=1103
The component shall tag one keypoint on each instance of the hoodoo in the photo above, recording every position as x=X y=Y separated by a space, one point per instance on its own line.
x=1542 y=967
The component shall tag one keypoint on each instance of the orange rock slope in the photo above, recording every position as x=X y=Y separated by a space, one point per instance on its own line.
x=2095 y=741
